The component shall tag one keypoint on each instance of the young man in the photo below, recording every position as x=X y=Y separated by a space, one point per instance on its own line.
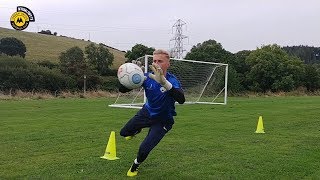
x=162 y=91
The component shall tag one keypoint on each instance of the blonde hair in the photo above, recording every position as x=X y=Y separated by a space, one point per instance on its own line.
x=161 y=51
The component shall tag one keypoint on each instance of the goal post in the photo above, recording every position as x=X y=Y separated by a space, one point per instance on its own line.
x=202 y=82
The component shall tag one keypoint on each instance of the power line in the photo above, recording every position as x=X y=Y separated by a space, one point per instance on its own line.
x=177 y=50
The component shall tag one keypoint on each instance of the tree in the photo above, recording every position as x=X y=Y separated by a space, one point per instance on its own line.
x=48 y=32
x=240 y=66
x=272 y=69
x=99 y=58
x=12 y=46
x=72 y=62
x=211 y=51
x=48 y=64
x=137 y=51
x=17 y=73
x=312 y=77
x=309 y=55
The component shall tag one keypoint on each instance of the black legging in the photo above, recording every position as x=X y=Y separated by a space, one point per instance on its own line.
x=156 y=132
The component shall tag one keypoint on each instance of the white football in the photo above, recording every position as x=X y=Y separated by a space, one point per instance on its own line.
x=130 y=75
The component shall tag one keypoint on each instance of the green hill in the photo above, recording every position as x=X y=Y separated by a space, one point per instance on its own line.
x=42 y=47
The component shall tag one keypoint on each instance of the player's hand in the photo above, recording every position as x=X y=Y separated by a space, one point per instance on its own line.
x=159 y=76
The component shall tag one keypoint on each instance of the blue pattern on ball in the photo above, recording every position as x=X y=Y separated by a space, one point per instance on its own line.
x=136 y=78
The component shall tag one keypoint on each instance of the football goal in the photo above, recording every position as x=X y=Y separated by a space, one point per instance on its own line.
x=202 y=82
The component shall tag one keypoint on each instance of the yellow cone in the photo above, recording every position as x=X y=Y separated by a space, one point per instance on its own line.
x=111 y=153
x=260 y=128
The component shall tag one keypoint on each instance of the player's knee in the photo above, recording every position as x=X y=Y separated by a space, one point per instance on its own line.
x=124 y=132
x=167 y=127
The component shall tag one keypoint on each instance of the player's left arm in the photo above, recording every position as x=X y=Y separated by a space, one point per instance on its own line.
x=177 y=94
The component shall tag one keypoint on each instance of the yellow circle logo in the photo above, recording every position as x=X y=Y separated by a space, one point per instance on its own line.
x=19 y=20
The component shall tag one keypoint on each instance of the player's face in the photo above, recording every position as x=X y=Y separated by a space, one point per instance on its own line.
x=162 y=61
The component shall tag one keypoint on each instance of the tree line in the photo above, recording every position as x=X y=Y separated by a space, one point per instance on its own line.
x=74 y=67
x=268 y=68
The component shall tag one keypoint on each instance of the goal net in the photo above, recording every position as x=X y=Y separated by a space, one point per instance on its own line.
x=202 y=82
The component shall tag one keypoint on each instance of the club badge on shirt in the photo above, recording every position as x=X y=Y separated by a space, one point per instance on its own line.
x=162 y=89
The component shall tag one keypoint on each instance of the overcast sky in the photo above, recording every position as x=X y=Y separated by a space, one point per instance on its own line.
x=236 y=24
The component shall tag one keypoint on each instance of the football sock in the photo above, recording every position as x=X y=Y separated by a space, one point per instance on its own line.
x=136 y=161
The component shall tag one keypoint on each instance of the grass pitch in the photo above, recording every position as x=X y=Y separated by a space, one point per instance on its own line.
x=64 y=138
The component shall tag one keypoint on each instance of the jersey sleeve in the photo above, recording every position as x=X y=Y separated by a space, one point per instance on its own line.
x=175 y=83
x=146 y=80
